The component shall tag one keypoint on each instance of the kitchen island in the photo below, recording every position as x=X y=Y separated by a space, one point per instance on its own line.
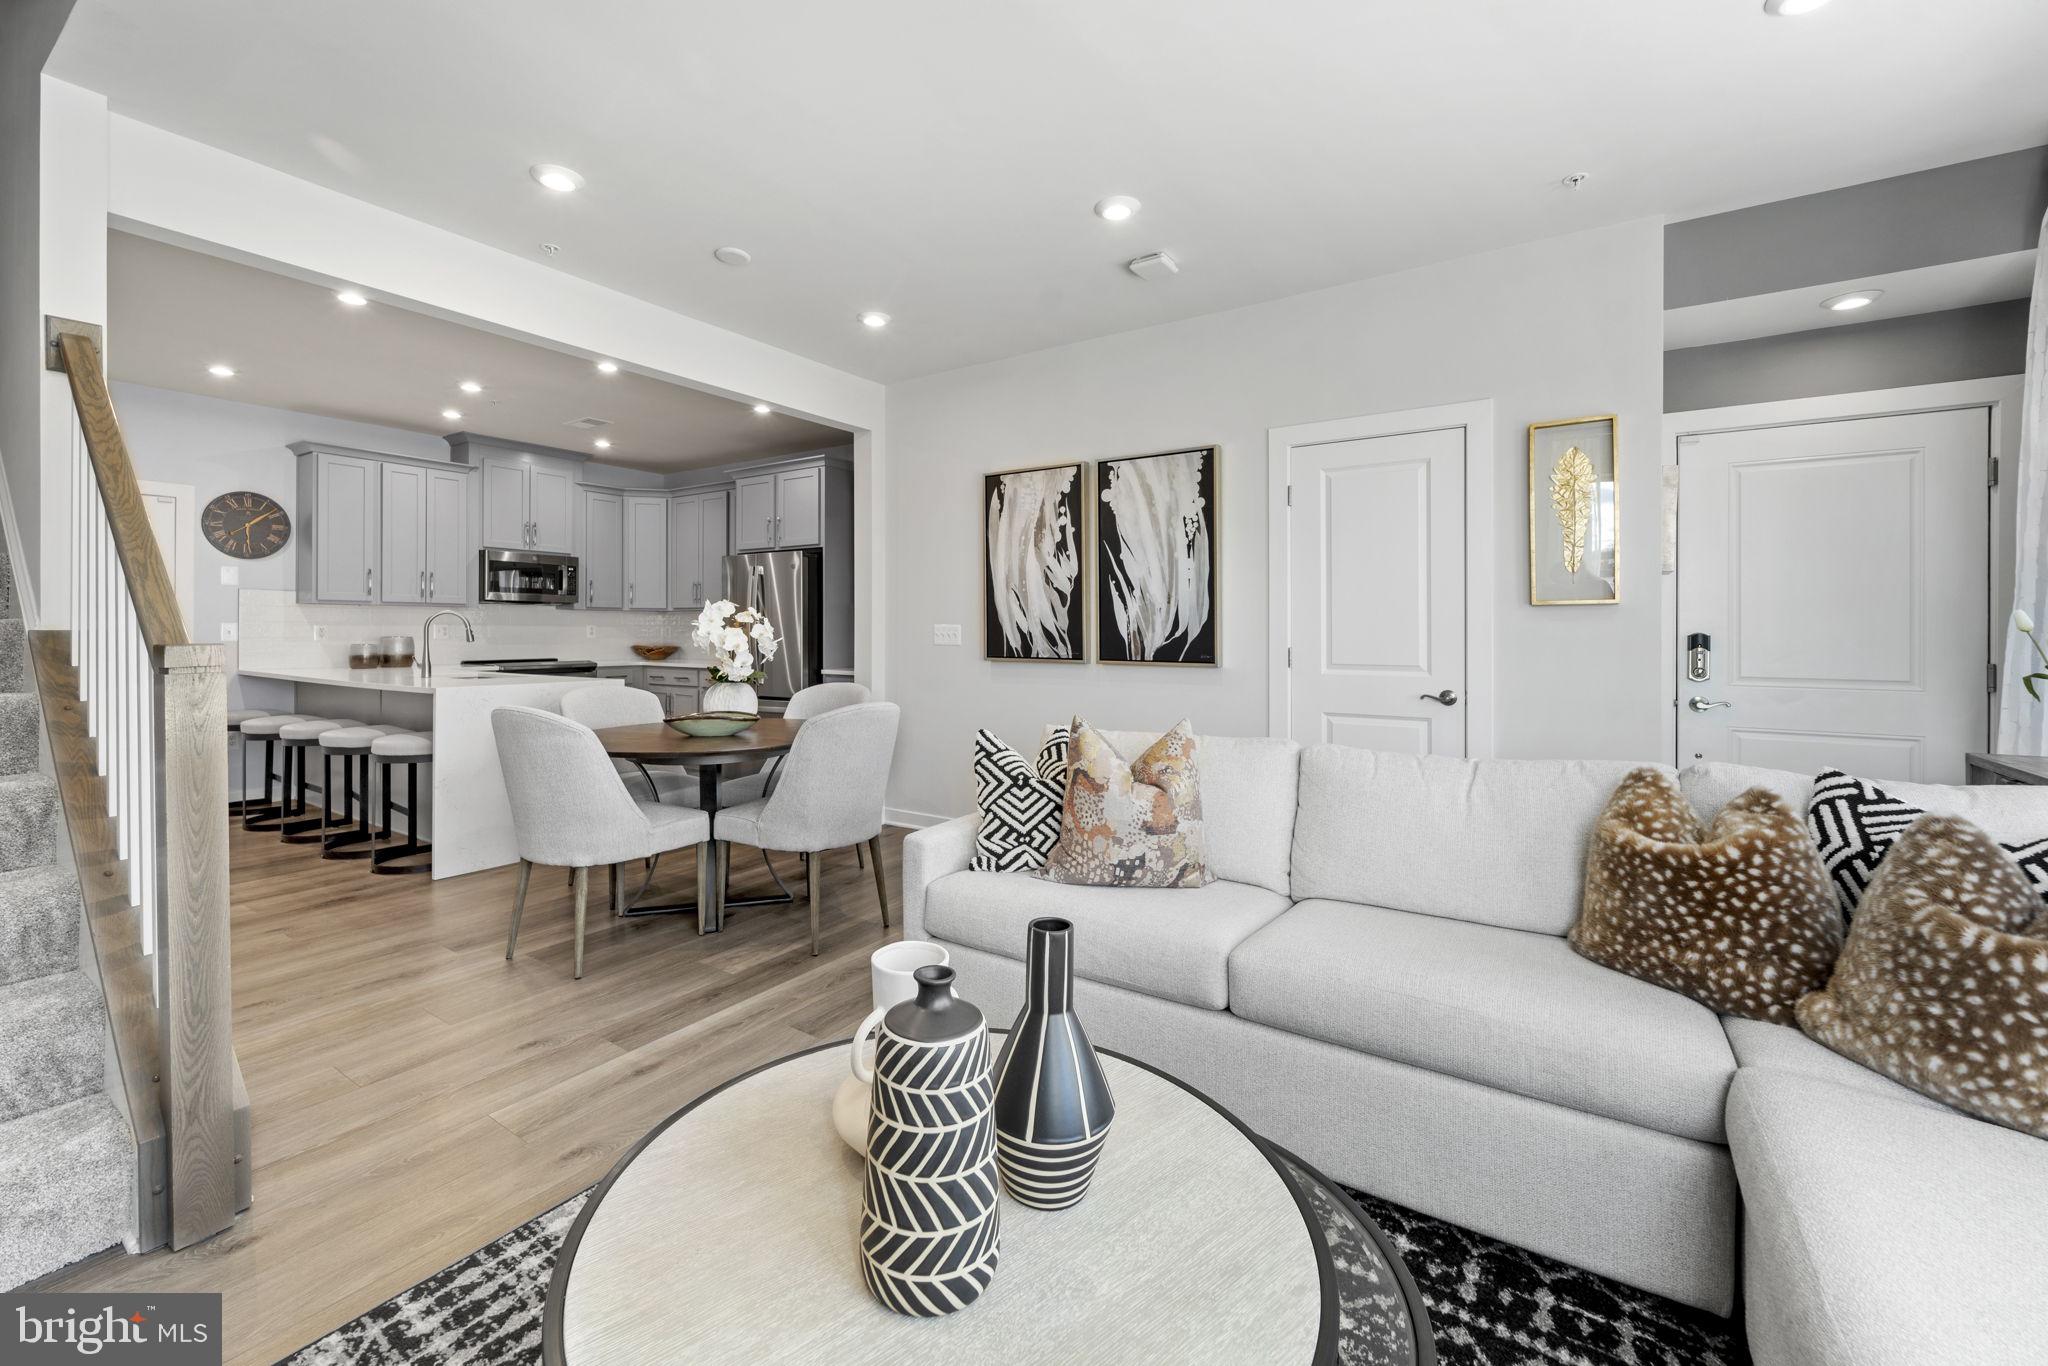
x=467 y=817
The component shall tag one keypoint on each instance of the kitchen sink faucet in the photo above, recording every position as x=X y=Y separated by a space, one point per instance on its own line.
x=427 y=640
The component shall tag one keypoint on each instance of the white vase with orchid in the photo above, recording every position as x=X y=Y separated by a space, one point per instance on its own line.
x=738 y=640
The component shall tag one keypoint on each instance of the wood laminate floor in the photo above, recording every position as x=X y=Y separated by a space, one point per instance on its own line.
x=414 y=1095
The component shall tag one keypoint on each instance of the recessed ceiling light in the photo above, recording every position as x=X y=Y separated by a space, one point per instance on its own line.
x=1850 y=302
x=219 y=371
x=732 y=256
x=452 y=414
x=1117 y=208
x=470 y=386
x=763 y=409
x=352 y=297
x=602 y=444
x=607 y=367
x=874 y=318
x=1792 y=9
x=560 y=179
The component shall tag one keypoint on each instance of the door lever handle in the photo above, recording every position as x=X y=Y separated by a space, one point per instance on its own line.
x=1701 y=704
x=1446 y=698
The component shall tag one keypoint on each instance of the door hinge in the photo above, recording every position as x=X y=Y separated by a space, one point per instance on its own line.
x=1991 y=678
x=1994 y=472
x=1290 y=656
x=1290 y=495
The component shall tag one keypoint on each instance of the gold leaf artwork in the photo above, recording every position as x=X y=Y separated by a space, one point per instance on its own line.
x=1571 y=493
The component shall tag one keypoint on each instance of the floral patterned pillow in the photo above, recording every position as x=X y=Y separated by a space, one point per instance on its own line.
x=1130 y=823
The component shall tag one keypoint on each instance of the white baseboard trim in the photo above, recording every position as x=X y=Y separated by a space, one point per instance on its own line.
x=916 y=820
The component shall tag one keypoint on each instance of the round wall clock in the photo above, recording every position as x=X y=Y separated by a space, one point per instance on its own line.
x=248 y=526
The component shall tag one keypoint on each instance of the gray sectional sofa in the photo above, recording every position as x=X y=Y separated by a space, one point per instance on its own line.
x=1379 y=979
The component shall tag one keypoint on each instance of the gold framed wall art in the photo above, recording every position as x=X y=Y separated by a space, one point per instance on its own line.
x=1574 y=539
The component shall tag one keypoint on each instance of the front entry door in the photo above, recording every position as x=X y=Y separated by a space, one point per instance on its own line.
x=1840 y=572
x=1376 y=592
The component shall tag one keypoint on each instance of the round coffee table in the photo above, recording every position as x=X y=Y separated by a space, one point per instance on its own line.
x=728 y=1234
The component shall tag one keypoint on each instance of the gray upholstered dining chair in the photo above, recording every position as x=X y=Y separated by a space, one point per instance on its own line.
x=569 y=809
x=815 y=700
x=600 y=708
x=828 y=795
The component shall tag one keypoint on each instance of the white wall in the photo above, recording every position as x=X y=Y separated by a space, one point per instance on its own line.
x=1553 y=329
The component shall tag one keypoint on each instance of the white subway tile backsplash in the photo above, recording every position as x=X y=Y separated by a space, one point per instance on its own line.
x=277 y=630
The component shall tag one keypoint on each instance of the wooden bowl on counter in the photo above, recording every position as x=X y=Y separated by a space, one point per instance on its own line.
x=656 y=653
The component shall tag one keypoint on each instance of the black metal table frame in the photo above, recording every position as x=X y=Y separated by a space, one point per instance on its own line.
x=714 y=869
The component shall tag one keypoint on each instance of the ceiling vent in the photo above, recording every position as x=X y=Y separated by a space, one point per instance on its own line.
x=589 y=424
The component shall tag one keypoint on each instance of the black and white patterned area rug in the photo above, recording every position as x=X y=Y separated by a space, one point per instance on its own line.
x=1490 y=1304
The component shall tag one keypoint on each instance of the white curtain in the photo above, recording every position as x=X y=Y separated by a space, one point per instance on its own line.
x=2023 y=722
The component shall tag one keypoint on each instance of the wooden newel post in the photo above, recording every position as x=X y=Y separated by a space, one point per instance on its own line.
x=193 y=973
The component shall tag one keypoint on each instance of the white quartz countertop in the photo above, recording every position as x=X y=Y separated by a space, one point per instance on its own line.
x=446 y=676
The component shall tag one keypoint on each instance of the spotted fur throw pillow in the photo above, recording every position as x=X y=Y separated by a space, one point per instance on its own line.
x=1739 y=916
x=1943 y=985
x=1131 y=823
x=1019 y=802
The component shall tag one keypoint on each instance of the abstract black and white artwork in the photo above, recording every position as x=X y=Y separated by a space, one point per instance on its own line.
x=1033 y=597
x=1156 y=559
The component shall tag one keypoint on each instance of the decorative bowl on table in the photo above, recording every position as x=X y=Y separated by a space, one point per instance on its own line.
x=707 y=725
x=656 y=653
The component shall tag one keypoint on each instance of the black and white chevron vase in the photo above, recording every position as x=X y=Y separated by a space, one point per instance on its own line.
x=928 y=1213
x=1052 y=1106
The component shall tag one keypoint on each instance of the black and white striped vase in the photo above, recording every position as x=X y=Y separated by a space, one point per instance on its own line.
x=1052 y=1105
x=928 y=1213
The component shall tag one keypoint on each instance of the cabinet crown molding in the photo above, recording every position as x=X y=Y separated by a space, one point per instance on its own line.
x=328 y=448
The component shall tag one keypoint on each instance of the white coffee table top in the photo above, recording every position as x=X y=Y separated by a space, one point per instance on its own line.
x=730 y=1237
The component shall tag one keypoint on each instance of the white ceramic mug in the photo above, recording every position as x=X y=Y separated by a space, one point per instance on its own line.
x=892 y=969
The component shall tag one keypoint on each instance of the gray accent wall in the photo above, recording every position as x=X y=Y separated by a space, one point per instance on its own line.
x=1973 y=209
x=1983 y=342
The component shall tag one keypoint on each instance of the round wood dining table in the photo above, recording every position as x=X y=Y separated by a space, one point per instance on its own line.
x=709 y=756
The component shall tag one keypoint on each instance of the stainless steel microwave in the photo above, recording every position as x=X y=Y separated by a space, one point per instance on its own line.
x=527 y=576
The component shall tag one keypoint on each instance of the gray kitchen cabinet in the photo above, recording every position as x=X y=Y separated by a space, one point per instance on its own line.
x=646 y=552
x=551 y=500
x=380 y=528
x=449 y=561
x=402 y=548
x=784 y=510
x=604 y=548
x=698 y=532
x=753 y=523
x=679 y=689
x=338 y=516
x=528 y=503
x=799 y=507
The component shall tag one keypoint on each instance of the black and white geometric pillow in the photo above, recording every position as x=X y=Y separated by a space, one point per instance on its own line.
x=1855 y=823
x=1020 y=803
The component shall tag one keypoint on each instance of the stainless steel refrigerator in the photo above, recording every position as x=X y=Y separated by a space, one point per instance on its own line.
x=788 y=587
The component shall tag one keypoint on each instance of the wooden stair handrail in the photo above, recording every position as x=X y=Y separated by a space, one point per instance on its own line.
x=202 y=1099
x=142 y=563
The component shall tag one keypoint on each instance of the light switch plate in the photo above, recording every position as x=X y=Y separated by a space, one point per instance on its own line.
x=230 y=575
x=945 y=634
x=229 y=632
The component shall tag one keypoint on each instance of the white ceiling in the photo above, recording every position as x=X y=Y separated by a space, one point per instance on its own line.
x=937 y=159
x=173 y=312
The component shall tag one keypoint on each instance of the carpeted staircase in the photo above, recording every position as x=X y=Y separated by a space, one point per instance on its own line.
x=67 y=1159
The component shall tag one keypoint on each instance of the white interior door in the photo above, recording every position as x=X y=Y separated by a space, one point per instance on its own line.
x=172 y=516
x=1840 y=570
x=1376 y=592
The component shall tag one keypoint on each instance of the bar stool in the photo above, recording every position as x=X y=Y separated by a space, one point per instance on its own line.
x=349 y=743
x=235 y=720
x=412 y=749
x=296 y=827
x=266 y=814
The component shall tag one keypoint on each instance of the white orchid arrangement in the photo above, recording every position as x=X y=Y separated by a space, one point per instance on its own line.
x=735 y=637
x=2024 y=624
